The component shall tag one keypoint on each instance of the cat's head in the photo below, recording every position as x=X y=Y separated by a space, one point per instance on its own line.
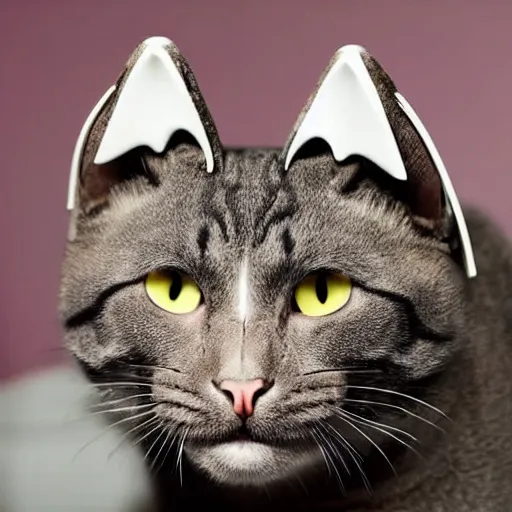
x=260 y=312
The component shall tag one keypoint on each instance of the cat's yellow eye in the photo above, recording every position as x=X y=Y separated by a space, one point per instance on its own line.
x=174 y=292
x=322 y=294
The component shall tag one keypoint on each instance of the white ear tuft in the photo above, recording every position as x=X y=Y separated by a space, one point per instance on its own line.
x=451 y=196
x=348 y=114
x=153 y=104
x=79 y=147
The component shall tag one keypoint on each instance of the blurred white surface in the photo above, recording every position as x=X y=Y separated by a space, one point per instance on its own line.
x=43 y=427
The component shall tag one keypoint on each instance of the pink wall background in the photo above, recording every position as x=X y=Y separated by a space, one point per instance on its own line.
x=256 y=62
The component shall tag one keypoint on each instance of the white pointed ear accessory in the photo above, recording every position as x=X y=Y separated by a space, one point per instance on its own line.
x=450 y=194
x=80 y=144
x=153 y=103
x=348 y=114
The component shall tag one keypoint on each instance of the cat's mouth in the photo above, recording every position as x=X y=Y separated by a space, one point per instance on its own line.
x=246 y=436
x=243 y=435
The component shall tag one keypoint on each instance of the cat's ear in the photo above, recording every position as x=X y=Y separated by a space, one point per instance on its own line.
x=155 y=97
x=357 y=110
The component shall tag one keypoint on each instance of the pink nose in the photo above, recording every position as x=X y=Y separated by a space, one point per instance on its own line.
x=243 y=394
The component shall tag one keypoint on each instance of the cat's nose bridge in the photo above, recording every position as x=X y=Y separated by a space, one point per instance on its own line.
x=246 y=353
x=236 y=366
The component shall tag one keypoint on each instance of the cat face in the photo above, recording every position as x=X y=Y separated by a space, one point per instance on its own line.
x=243 y=318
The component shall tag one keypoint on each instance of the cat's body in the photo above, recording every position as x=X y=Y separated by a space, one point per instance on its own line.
x=342 y=398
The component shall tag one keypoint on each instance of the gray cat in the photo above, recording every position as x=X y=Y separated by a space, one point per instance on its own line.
x=287 y=328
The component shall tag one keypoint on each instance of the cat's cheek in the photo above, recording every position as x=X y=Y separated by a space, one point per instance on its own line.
x=425 y=357
x=252 y=464
x=84 y=343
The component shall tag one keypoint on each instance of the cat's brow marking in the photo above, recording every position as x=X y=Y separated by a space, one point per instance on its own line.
x=202 y=239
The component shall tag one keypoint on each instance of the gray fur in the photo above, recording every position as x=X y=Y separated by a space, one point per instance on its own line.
x=414 y=325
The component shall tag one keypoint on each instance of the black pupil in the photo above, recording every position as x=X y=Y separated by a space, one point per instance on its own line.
x=176 y=285
x=321 y=288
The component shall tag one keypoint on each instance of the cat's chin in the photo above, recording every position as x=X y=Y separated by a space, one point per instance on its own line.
x=251 y=464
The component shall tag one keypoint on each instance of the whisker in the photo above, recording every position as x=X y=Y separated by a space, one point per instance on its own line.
x=135 y=376
x=122 y=409
x=362 y=371
x=174 y=437
x=392 y=392
x=119 y=383
x=131 y=431
x=146 y=455
x=368 y=438
x=375 y=427
x=164 y=459
x=159 y=425
x=338 y=476
x=91 y=414
x=378 y=424
x=392 y=406
x=322 y=427
x=356 y=457
x=322 y=451
x=152 y=367
x=110 y=427
x=180 y=455
x=166 y=440
x=349 y=446
x=98 y=390
x=342 y=370
x=121 y=400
